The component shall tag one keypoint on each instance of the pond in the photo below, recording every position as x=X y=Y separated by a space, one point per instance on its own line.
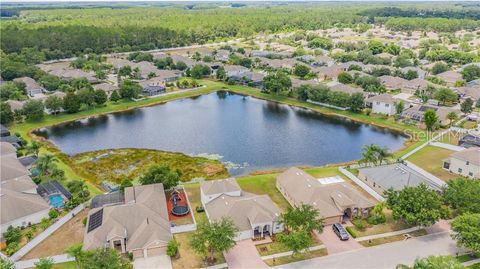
x=246 y=133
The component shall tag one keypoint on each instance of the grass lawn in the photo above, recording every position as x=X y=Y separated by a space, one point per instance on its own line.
x=431 y=159
x=467 y=257
x=193 y=192
x=297 y=257
x=277 y=247
x=188 y=257
x=450 y=138
x=390 y=225
x=390 y=239
x=69 y=234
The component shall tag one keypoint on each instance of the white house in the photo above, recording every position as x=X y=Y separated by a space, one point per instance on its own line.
x=382 y=104
x=465 y=163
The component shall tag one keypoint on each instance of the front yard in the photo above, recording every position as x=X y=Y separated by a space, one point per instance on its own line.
x=298 y=257
x=188 y=257
x=390 y=239
x=431 y=158
x=390 y=225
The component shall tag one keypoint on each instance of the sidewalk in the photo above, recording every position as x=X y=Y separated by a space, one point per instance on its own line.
x=447 y=146
x=31 y=263
x=375 y=236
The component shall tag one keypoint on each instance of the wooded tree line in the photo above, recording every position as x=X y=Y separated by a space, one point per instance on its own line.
x=473 y=13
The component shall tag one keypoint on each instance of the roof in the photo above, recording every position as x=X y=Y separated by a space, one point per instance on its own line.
x=330 y=199
x=384 y=98
x=11 y=168
x=7 y=149
x=107 y=87
x=245 y=210
x=471 y=155
x=142 y=220
x=27 y=160
x=450 y=76
x=30 y=83
x=340 y=87
x=16 y=204
x=396 y=176
x=107 y=199
x=16 y=105
x=219 y=186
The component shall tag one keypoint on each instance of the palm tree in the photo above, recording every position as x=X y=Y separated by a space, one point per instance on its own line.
x=451 y=117
x=369 y=153
x=33 y=148
x=382 y=154
x=76 y=252
x=46 y=163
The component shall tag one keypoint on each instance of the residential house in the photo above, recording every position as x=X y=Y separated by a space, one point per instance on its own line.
x=153 y=86
x=6 y=136
x=411 y=86
x=20 y=204
x=329 y=72
x=169 y=75
x=393 y=176
x=340 y=87
x=469 y=141
x=253 y=215
x=139 y=226
x=420 y=72
x=235 y=71
x=296 y=83
x=334 y=198
x=54 y=193
x=416 y=113
x=465 y=163
x=382 y=104
x=15 y=105
x=32 y=87
x=472 y=92
x=391 y=82
x=106 y=87
x=222 y=55
x=450 y=77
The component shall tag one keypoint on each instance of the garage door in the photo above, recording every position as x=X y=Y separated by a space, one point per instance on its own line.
x=156 y=251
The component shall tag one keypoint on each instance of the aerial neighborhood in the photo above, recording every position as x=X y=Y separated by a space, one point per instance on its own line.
x=276 y=146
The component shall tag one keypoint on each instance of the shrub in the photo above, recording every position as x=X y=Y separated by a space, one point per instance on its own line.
x=374 y=220
x=84 y=221
x=351 y=232
x=360 y=224
x=172 y=248
x=53 y=214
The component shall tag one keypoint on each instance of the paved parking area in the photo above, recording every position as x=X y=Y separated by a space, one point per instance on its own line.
x=334 y=244
x=244 y=255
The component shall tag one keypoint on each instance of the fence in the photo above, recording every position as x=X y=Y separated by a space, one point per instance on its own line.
x=39 y=238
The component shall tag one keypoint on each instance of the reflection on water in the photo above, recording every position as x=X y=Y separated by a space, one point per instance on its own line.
x=242 y=129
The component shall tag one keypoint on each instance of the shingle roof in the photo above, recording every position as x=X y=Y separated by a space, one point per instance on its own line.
x=471 y=155
x=219 y=186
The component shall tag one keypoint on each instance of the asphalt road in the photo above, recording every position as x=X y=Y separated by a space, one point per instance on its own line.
x=384 y=256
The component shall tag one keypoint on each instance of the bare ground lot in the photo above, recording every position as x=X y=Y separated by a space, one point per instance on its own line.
x=69 y=234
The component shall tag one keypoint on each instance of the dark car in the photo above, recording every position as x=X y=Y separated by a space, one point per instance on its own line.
x=340 y=231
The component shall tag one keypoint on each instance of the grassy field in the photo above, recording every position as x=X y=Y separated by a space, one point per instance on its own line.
x=297 y=257
x=390 y=239
x=118 y=164
x=431 y=159
x=188 y=257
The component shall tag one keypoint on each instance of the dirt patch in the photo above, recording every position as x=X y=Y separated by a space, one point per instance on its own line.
x=69 y=234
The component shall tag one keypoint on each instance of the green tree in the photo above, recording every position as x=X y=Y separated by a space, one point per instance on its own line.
x=199 y=71
x=46 y=164
x=411 y=74
x=213 y=238
x=33 y=110
x=375 y=154
x=276 y=82
x=302 y=92
x=103 y=258
x=6 y=263
x=321 y=42
x=302 y=218
x=431 y=119
x=53 y=103
x=125 y=184
x=172 y=248
x=399 y=107
x=301 y=70
x=86 y=96
x=375 y=46
x=392 y=48
x=445 y=95
x=114 y=97
x=100 y=97
x=356 y=102
x=125 y=71
x=161 y=174
x=467 y=106
x=71 y=103
x=6 y=113
x=44 y=263
x=451 y=116
x=296 y=241
x=75 y=251
x=129 y=89
x=466 y=229
x=463 y=195
x=416 y=205
x=12 y=235
x=434 y=262
x=33 y=148
x=345 y=78
x=221 y=74
x=471 y=72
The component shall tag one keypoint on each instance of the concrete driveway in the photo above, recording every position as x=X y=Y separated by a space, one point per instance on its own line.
x=154 y=262
x=334 y=244
x=244 y=255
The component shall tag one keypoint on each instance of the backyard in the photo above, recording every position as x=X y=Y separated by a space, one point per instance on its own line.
x=430 y=158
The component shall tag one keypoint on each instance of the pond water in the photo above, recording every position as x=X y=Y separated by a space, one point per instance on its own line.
x=247 y=133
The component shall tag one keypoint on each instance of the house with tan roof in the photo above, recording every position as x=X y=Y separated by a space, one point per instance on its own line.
x=32 y=87
x=416 y=113
x=106 y=87
x=20 y=204
x=329 y=72
x=255 y=216
x=334 y=198
x=465 y=163
x=450 y=77
x=139 y=225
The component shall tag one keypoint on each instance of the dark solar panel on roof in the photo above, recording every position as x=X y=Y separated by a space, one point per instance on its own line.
x=95 y=220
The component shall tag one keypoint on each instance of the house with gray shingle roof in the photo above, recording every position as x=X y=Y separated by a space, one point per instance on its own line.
x=393 y=176
x=334 y=199
x=254 y=215
x=32 y=87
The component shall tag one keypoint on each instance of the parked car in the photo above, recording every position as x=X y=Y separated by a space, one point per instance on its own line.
x=340 y=231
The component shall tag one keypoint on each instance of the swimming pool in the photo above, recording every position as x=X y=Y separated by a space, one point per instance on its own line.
x=56 y=201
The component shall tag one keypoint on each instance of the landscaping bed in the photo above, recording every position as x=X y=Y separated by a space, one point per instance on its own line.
x=118 y=164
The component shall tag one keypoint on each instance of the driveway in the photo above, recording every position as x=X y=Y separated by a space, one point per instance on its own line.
x=244 y=255
x=385 y=256
x=154 y=262
x=333 y=244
